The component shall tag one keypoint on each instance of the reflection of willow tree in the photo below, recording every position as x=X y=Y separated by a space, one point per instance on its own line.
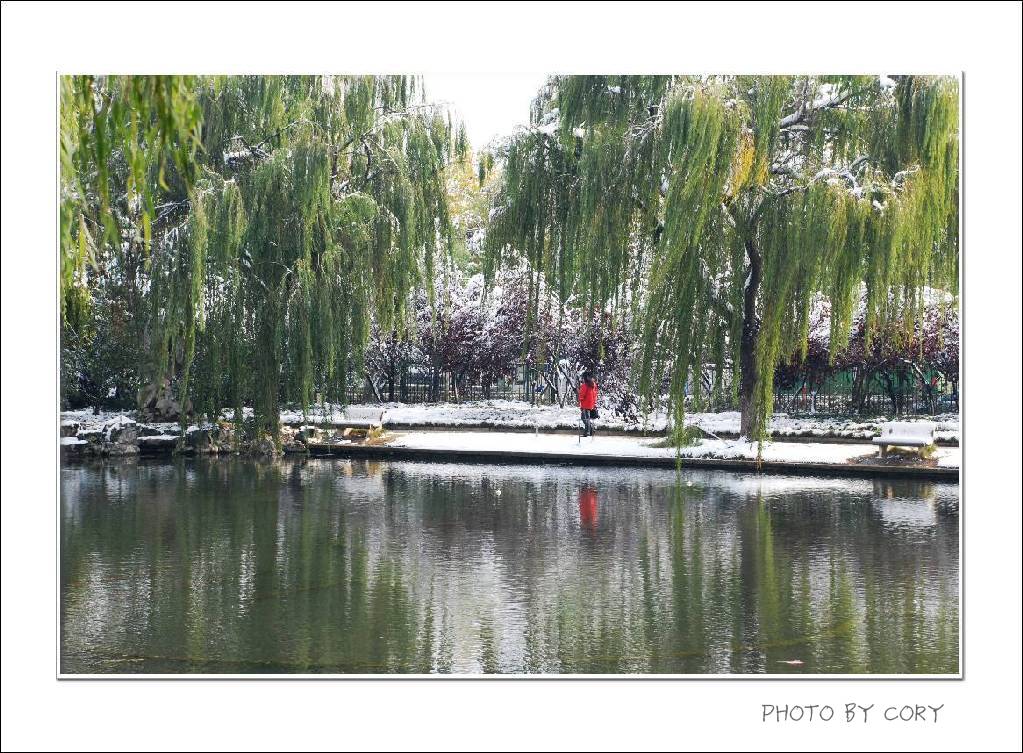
x=602 y=620
x=688 y=626
x=521 y=537
x=761 y=575
x=462 y=523
x=329 y=604
x=268 y=577
x=683 y=599
x=674 y=599
x=788 y=619
x=869 y=602
x=232 y=566
x=912 y=619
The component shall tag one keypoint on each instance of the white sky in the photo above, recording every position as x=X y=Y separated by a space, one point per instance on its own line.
x=490 y=104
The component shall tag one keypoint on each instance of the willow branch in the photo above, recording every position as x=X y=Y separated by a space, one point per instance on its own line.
x=804 y=113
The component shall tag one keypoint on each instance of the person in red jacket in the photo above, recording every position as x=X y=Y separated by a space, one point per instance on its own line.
x=588 y=402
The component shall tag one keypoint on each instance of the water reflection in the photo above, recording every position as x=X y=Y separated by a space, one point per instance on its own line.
x=342 y=566
x=588 y=509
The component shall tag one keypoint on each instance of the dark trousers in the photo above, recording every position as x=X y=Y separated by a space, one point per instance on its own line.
x=587 y=418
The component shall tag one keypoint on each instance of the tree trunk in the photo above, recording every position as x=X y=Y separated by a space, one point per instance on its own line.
x=376 y=391
x=749 y=420
x=550 y=377
x=856 y=397
x=889 y=387
x=570 y=386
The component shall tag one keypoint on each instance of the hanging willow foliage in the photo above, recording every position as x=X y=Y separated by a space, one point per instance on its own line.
x=297 y=208
x=120 y=138
x=736 y=200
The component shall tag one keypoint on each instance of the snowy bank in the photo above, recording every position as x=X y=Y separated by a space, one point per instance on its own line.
x=513 y=422
x=521 y=416
x=635 y=447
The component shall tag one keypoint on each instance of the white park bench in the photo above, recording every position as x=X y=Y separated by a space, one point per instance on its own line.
x=905 y=434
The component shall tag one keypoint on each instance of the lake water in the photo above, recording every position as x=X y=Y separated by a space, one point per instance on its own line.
x=336 y=566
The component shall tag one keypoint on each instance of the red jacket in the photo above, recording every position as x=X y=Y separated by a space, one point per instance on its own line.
x=588 y=395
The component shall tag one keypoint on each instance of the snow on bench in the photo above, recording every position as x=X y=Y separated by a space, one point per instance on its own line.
x=905 y=434
x=354 y=417
x=362 y=417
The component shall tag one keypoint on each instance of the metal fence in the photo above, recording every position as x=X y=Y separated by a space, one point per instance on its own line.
x=890 y=393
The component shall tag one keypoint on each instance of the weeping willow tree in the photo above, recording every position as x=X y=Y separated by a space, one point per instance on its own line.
x=723 y=205
x=269 y=218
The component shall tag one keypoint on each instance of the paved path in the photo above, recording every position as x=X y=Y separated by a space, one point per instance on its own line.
x=782 y=457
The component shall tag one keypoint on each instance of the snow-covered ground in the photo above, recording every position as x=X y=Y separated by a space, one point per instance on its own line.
x=512 y=442
x=86 y=420
x=782 y=425
x=484 y=421
x=513 y=414
x=517 y=415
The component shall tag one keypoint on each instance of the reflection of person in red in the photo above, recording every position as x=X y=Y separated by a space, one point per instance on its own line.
x=588 y=508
